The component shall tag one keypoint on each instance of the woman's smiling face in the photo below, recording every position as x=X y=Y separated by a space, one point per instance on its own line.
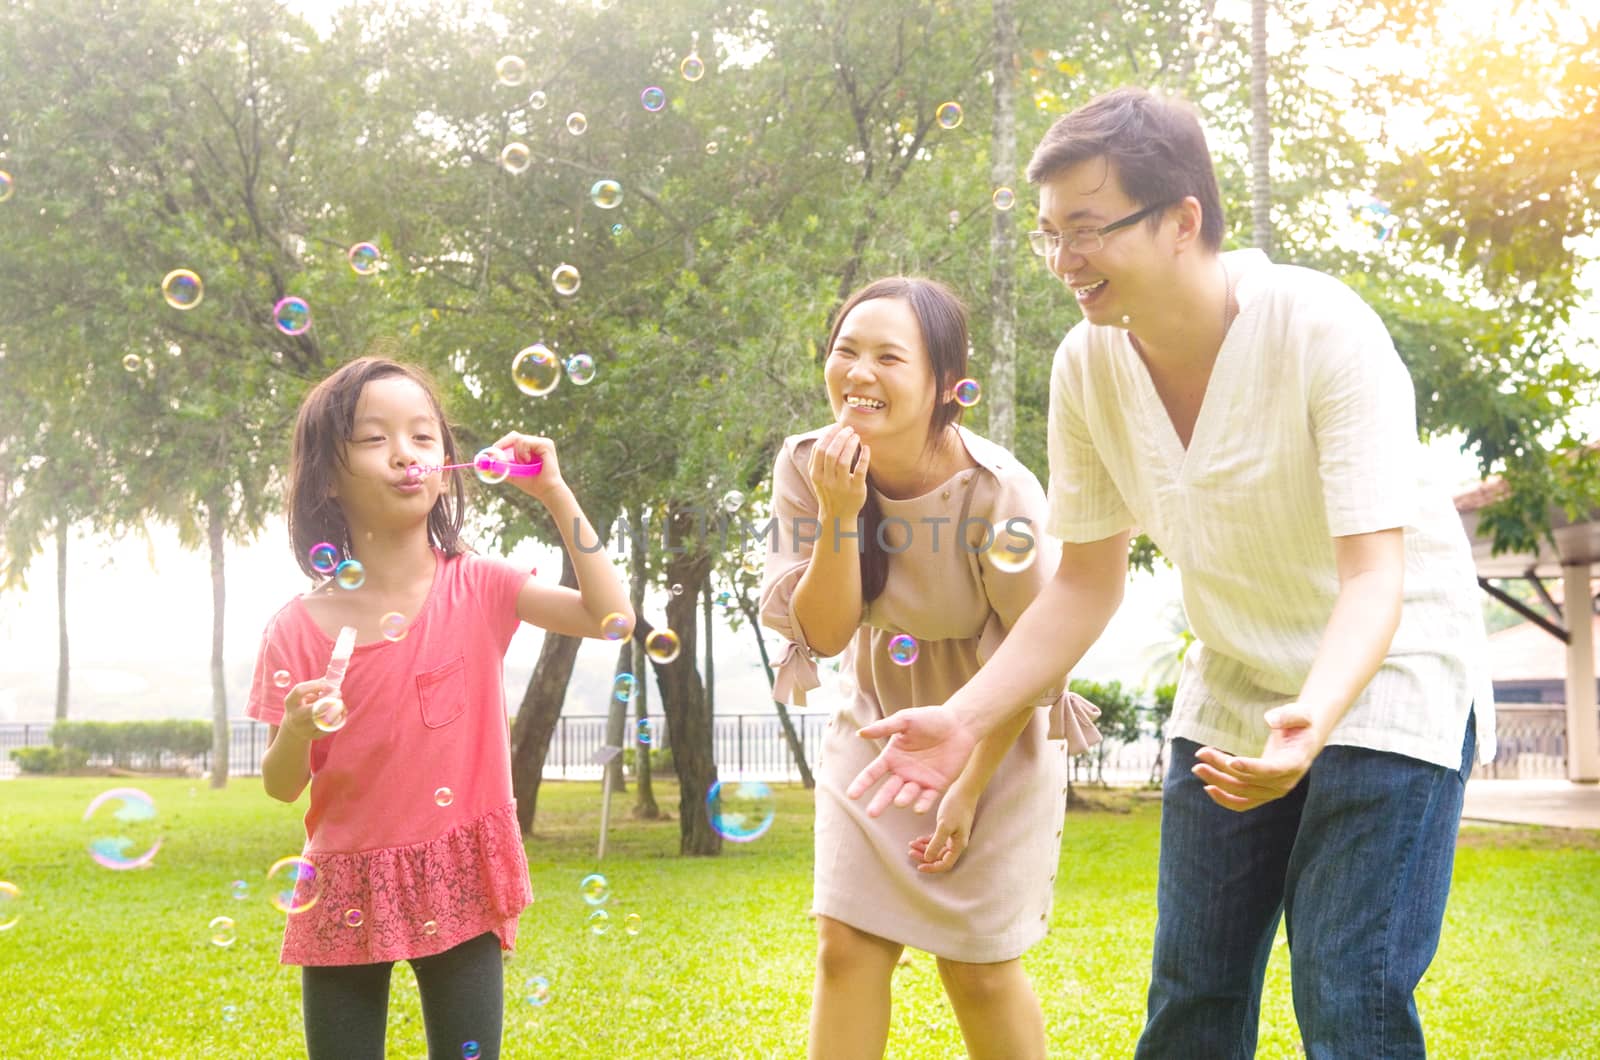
x=879 y=376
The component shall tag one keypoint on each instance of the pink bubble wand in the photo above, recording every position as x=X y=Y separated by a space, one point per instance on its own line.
x=495 y=465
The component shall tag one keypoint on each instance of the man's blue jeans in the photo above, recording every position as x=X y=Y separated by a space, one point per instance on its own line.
x=1357 y=857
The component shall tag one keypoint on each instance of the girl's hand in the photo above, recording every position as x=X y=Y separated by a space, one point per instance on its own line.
x=297 y=720
x=838 y=473
x=940 y=851
x=522 y=448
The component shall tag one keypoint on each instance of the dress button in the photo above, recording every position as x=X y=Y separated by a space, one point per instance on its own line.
x=945 y=495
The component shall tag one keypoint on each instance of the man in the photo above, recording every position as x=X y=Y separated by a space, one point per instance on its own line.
x=1255 y=420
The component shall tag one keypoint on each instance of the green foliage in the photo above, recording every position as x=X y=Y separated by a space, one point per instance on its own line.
x=121 y=963
x=122 y=741
x=660 y=760
x=49 y=759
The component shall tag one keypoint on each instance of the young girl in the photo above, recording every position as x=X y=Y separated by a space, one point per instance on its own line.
x=945 y=557
x=412 y=828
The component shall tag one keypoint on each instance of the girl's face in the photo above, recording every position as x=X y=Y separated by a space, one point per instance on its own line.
x=879 y=376
x=395 y=427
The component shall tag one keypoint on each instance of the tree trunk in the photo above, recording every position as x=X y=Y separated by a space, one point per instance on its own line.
x=644 y=806
x=617 y=718
x=1260 y=132
x=539 y=712
x=63 y=669
x=216 y=512
x=682 y=694
x=796 y=749
x=1001 y=386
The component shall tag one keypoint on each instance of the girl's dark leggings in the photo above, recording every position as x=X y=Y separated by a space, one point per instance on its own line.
x=347 y=1006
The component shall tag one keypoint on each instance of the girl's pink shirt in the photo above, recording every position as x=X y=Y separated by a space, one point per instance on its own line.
x=422 y=765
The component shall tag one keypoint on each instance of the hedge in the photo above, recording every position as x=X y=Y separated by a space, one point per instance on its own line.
x=123 y=740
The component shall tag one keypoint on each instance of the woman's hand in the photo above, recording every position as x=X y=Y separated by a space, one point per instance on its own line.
x=838 y=473
x=940 y=851
x=522 y=448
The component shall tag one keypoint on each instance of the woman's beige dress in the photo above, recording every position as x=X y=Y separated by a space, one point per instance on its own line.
x=944 y=591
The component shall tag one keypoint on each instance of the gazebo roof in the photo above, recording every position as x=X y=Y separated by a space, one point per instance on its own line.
x=1576 y=541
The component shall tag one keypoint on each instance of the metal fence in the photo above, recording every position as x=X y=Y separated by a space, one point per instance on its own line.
x=746 y=746
x=1533 y=744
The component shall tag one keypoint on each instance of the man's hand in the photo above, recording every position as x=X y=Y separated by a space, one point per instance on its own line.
x=1245 y=783
x=927 y=750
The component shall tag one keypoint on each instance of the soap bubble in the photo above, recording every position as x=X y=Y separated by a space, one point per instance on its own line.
x=222 y=931
x=1003 y=198
x=324 y=558
x=443 y=797
x=294 y=884
x=430 y=927
x=492 y=466
x=471 y=1050
x=329 y=714
x=642 y=732
x=616 y=626
x=903 y=649
x=633 y=923
x=967 y=392
x=676 y=590
x=565 y=279
x=732 y=501
x=8 y=185
x=536 y=369
x=693 y=68
x=511 y=70
x=595 y=889
x=652 y=99
x=131 y=362
x=515 y=158
x=10 y=905
x=537 y=992
x=580 y=369
x=606 y=194
x=743 y=811
x=623 y=687
x=353 y=918
x=599 y=921
x=239 y=889
x=662 y=645
x=537 y=99
x=393 y=626
x=182 y=289
x=1013 y=549
x=577 y=123
x=123 y=832
x=365 y=259
x=292 y=316
x=350 y=574
x=949 y=114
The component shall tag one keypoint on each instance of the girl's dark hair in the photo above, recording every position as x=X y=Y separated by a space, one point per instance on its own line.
x=942 y=319
x=1155 y=146
x=321 y=432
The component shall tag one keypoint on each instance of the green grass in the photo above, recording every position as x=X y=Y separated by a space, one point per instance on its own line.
x=119 y=964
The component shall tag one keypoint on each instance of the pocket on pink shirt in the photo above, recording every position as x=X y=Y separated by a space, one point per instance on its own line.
x=442 y=692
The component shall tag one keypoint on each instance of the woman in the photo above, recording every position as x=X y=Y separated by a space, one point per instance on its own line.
x=910 y=544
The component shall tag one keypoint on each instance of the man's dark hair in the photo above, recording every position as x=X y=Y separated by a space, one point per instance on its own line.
x=1155 y=147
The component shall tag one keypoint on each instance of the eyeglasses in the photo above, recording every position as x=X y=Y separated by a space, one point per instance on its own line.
x=1087 y=240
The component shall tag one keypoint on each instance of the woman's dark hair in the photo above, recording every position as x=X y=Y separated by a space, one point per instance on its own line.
x=1155 y=147
x=321 y=432
x=942 y=319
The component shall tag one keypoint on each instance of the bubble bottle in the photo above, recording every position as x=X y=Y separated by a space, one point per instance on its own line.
x=328 y=713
